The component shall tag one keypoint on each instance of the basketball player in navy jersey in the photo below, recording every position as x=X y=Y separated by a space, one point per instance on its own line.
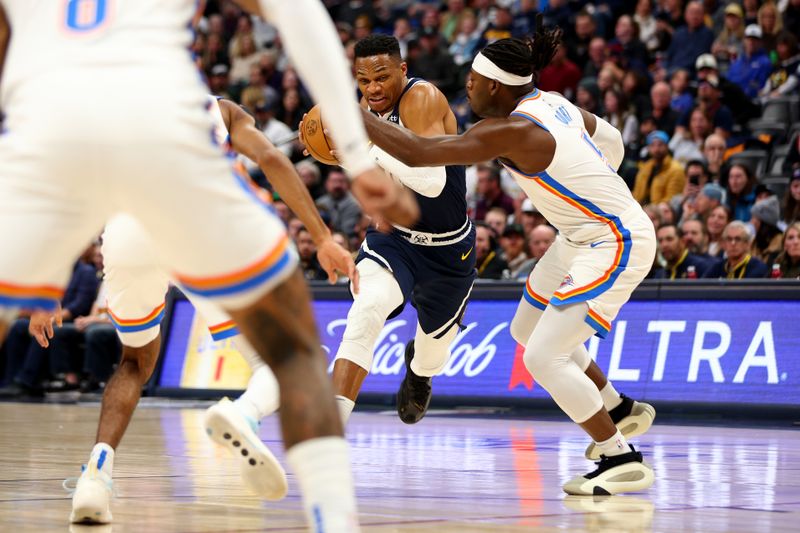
x=431 y=264
x=565 y=160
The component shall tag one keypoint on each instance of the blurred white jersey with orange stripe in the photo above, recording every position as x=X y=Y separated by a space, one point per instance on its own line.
x=606 y=242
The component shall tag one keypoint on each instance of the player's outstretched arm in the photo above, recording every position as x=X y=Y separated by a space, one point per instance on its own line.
x=249 y=141
x=489 y=139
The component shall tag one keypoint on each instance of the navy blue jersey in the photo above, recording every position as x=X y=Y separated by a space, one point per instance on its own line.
x=448 y=211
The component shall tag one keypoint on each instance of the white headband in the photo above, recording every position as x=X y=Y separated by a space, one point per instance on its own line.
x=484 y=66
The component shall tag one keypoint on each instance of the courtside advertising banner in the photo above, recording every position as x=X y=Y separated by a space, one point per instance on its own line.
x=677 y=351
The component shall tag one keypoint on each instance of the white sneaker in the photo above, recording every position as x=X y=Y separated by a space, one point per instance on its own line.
x=90 y=502
x=613 y=513
x=619 y=473
x=261 y=471
x=632 y=419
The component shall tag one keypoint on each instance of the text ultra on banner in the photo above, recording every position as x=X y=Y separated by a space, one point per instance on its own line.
x=682 y=351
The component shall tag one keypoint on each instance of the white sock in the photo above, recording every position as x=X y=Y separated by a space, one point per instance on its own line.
x=322 y=467
x=611 y=397
x=261 y=398
x=616 y=445
x=103 y=456
x=345 y=406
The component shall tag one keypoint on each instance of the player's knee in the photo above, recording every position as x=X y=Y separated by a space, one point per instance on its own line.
x=139 y=362
x=364 y=323
x=431 y=354
x=520 y=330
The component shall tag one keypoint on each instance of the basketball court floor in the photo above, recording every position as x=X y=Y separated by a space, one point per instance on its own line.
x=447 y=474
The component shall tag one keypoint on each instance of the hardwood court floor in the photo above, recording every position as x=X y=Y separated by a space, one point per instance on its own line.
x=447 y=474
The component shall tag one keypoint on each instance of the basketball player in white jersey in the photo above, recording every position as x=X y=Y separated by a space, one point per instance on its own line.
x=105 y=112
x=136 y=285
x=605 y=247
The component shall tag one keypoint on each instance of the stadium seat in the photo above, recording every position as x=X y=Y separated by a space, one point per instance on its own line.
x=756 y=160
x=777 y=183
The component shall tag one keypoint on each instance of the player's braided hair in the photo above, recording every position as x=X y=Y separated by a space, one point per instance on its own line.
x=525 y=56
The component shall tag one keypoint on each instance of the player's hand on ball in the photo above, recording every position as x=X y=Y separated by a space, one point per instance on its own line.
x=333 y=259
x=380 y=196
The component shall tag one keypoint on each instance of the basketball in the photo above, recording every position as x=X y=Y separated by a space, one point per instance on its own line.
x=317 y=144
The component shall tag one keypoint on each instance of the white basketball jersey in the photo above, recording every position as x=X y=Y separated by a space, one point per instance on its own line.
x=83 y=37
x=578 y=193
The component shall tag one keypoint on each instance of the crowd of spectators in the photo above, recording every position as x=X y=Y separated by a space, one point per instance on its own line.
x=704 y=93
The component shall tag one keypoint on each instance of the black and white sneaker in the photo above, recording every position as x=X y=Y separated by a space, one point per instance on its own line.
x=619 y=473
x=414 y=395
x=632 y=419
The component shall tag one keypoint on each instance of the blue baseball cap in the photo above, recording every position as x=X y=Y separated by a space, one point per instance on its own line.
x=658 y=135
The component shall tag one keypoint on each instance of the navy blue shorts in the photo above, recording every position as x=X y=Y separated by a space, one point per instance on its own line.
x=437 y=279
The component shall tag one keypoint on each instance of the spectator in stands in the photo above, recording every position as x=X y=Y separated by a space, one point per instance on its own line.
x=311 y=176
x=660 y=110
x=682 y=98
x=561 y=75
x=257 y=90
x=687 y=143
x=340 y=203
x=307 y=254
x=654 y=213
x=292 y=109
x=525 y=18
x=488 y=261
x=218 y=81
x=708 y=96
x=791 y=201
x=768 y=241
x=539 y=241
x=597 y=57
x=751 y=69
x=738 y=263
x=246 y=56
x=273 y=129
x=789 y=259
x=668 y=215
x=450 y=19
x=584 y=30
x=771 y=23
x=714 y=154
x=558 y=13
x=620 y=115
x=785 y=78
x=97 y=360
x=695 y=237
x=588 y=96
x=512 y=243
x=696 y=179
x=215 y=52
x=490 y=193
x=648 y=27
x=740 y=192
x=659 y=178
x=716 y=221
x=626 y=36
x=466 y=41
x=733 y=96
x=680 y=263
x=709 y=197
x=497 y=218
x=498 y=29
x=404 y=35
x=530 y=217
x=25 y=359
x=433 y=63
x=728 y=44
x=691 y=40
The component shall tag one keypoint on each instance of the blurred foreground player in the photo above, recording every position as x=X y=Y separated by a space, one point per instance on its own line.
x=135 y=137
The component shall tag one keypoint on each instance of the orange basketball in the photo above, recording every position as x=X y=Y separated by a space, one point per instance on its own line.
x=317 y=144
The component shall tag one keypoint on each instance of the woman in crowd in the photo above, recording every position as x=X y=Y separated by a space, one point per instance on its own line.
x=715 y=224
x=765 y=215
x=619 y=114
x=789 y=259
x=771 y=22
x=687 y=144
x=728 y=44
x=791 y=202
x=741 y=191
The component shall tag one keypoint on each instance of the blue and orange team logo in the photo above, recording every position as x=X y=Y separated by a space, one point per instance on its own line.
x=568 y=282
